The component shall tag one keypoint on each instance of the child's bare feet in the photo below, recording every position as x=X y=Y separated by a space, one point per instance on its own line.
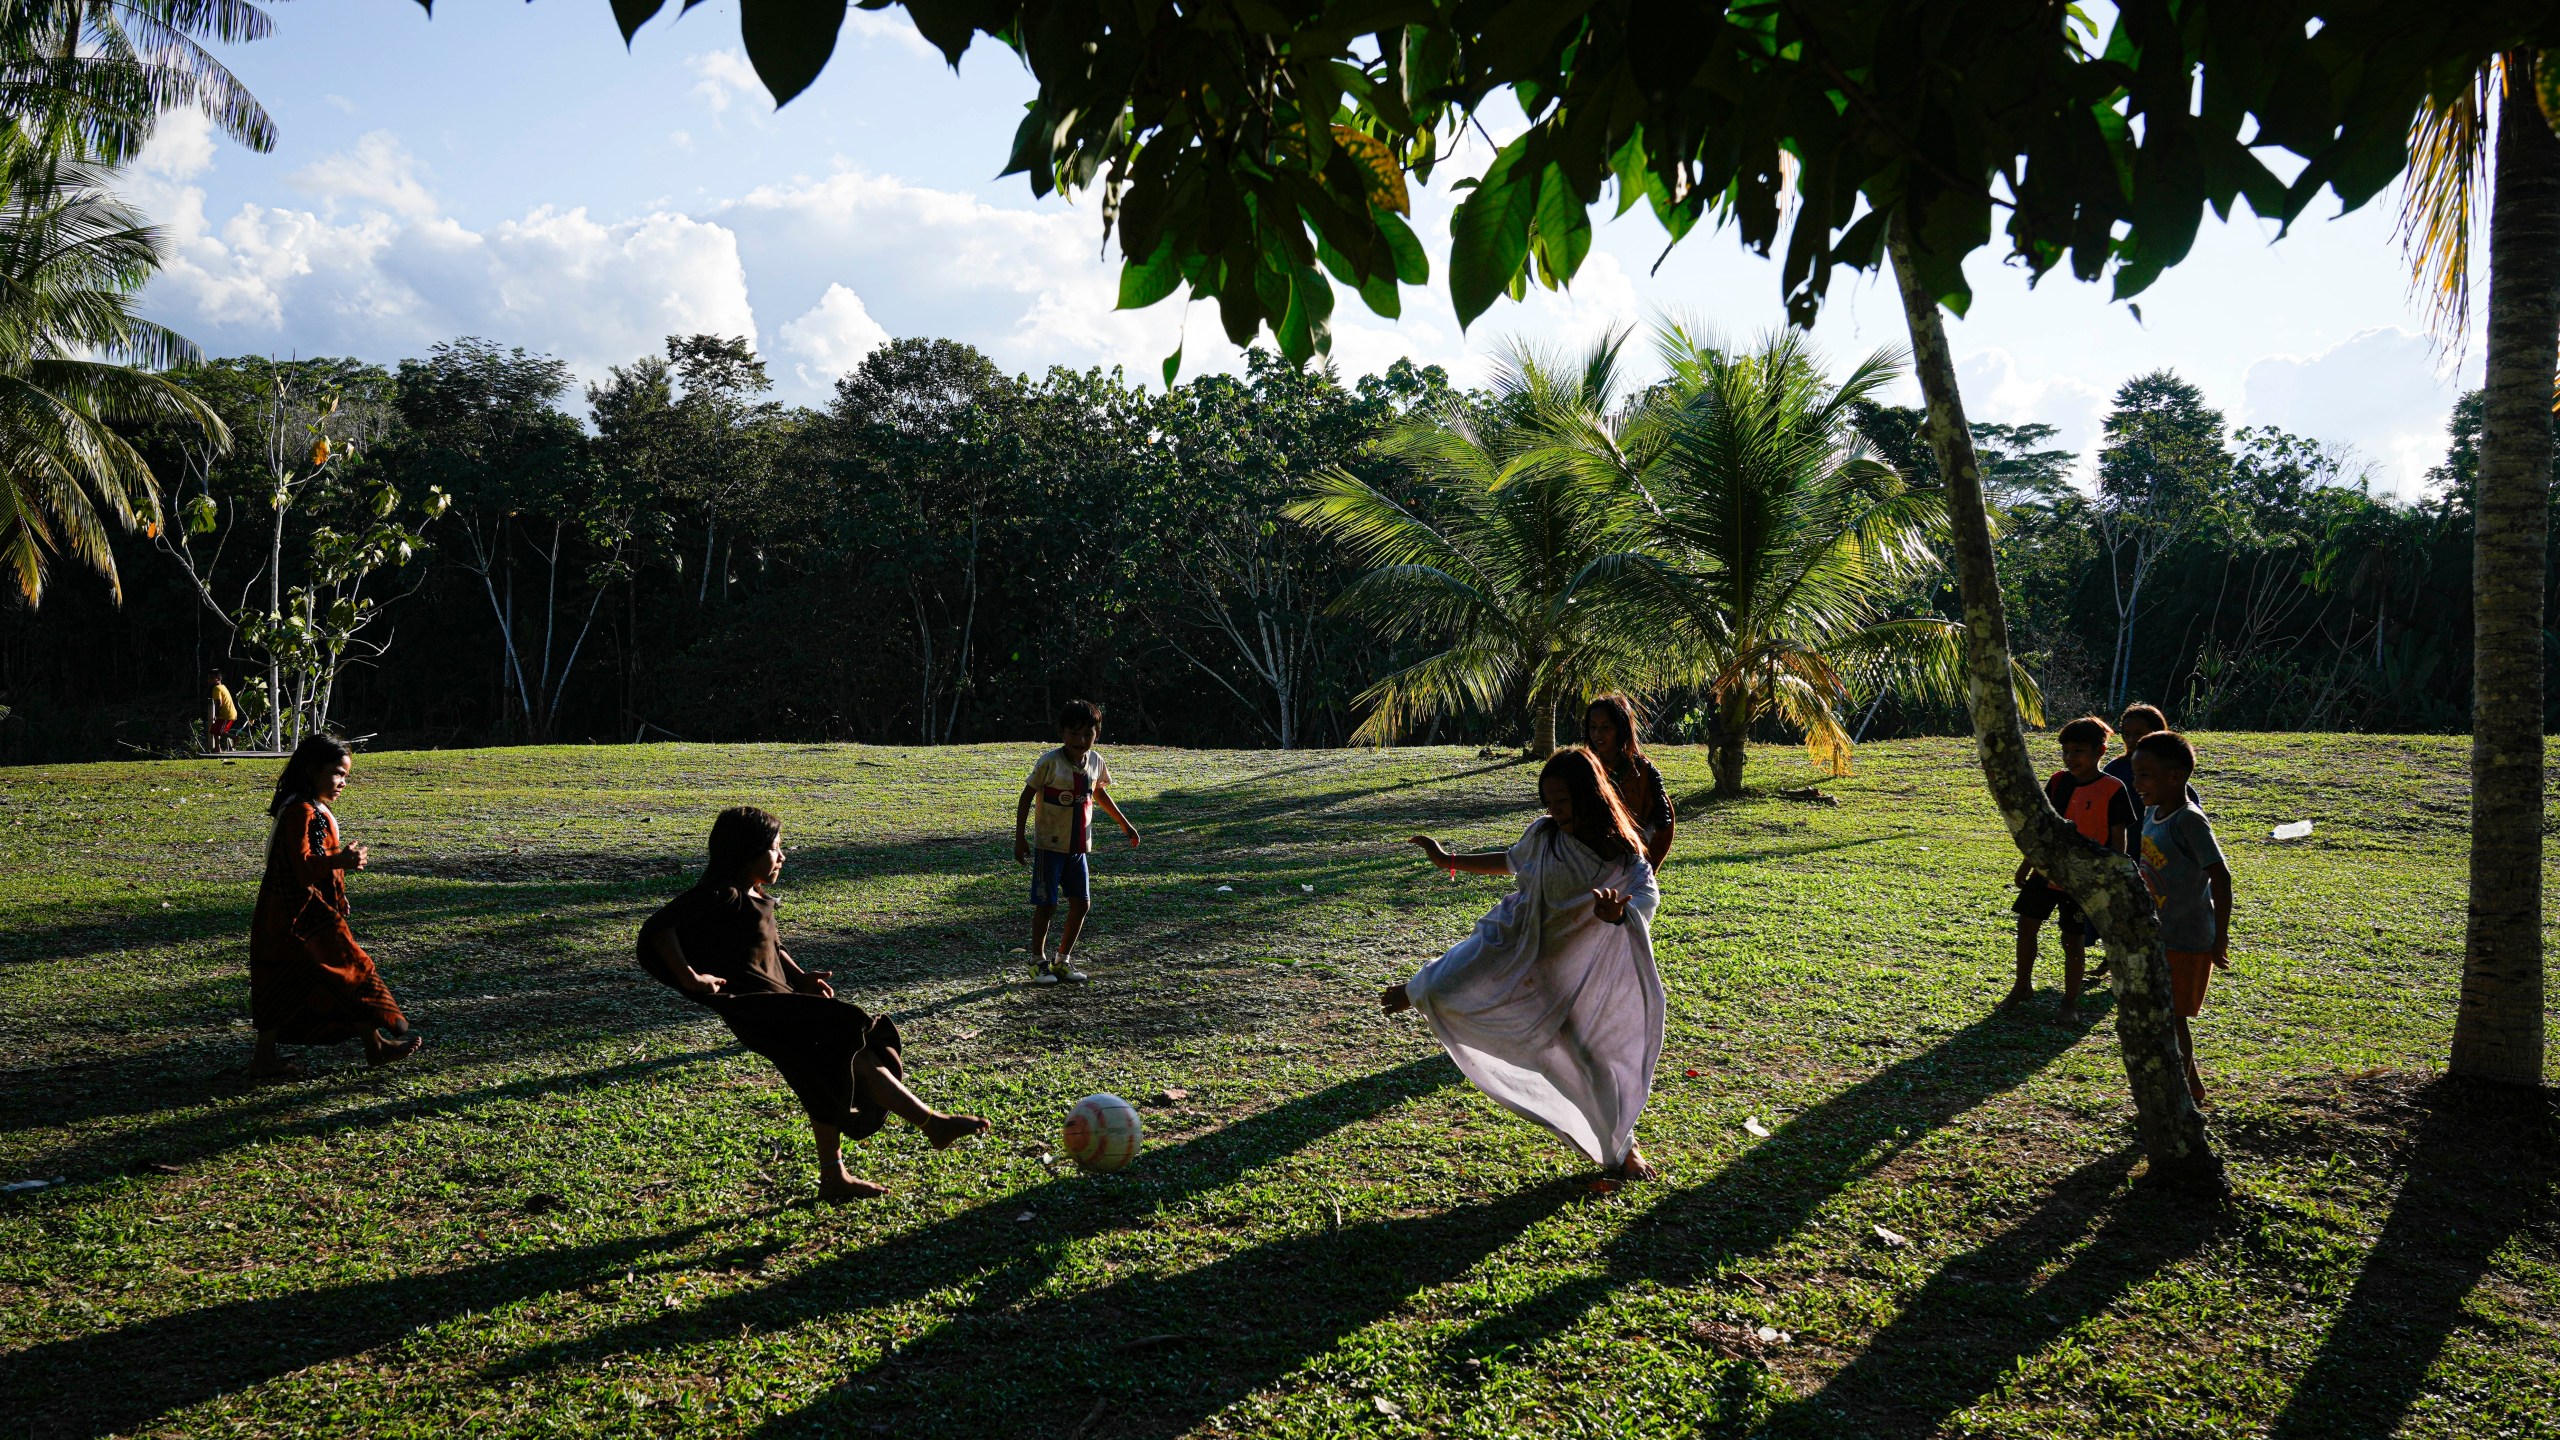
x=1637 y=1167
x=943 y=1130
x=2069 y=1013
x=843 y=1185
x=2019 y=992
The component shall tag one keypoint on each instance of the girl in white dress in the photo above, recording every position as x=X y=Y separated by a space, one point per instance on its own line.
x=1552 y=1006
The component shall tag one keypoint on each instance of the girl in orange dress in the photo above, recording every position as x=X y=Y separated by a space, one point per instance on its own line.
x=310 y=983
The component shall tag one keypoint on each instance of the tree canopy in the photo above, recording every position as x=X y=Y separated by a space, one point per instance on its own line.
x=1253 y=155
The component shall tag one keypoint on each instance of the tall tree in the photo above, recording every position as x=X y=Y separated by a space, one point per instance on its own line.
x=2159 y=468
x=484 y=425
x=2498 y=1030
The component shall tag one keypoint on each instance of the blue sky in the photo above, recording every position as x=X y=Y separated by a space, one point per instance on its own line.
x=509 y=170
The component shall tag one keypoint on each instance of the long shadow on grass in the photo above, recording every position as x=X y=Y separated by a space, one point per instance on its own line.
x=304 y=1110
x=1983 y=1311
x=1773 y=1189
x=121 y=1379
x=999 y=1260
x=1159 y=1354
x=2484 y=1166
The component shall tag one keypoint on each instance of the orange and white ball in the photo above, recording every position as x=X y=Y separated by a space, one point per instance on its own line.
x=1103 y=1132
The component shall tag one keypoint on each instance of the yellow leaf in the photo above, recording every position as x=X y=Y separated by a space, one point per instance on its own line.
x=1386 y=177
x=320 y=451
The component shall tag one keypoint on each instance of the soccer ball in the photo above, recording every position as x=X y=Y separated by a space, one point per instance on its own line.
x=1103 y=1132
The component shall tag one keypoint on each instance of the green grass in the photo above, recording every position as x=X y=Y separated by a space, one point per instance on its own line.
x=584 y=1210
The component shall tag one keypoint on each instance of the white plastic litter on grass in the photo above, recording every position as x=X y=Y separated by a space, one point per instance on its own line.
x=1226 y=889
x=1891 y=1240
x=2291 y=830
x=1310 y=889
x=1752 y=1124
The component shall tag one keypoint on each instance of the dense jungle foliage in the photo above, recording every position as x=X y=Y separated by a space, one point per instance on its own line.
x=946 y=551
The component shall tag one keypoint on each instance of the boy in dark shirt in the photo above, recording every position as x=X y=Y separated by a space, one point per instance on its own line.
x=2101 y=808
x=2139 y=719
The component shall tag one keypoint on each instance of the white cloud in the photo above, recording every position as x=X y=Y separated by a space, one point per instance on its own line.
x=1997 y=391
x=379 y=171
x=180 y=148
x=2379 y=391
x=398 y=276
x=723 y=76
x=835 y=334
x=891 y=28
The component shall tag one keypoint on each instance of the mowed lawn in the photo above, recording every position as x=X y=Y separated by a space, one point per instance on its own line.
x=583 y=1209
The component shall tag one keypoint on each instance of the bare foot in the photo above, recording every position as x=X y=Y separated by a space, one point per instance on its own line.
x=1638 y=1167
x=2069 y=1014
x=838 y=1188
x=2018 y=992
x=943 y=1130
x=393 y=1053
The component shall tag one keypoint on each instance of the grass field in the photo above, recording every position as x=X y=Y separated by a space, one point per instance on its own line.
x=584 y=1210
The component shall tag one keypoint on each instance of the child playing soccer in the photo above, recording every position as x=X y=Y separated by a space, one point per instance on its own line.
x=310 y=983
x=1066 y=783
x=1552 y=1006
x=2183 y=865
x=2101 y=809
x=717 y=944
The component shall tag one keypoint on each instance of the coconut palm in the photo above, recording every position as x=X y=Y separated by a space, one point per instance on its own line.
x=1512 y=564
x=1776 y=541
x=88 y=78
x=2498 y=1029
x=71 y=258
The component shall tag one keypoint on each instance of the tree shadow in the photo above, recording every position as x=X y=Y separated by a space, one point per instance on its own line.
x=122 y=1379
x=1159 y=1354
x=988 y=1250
x=2483 y=1166
x=1773 y=1189
x=1981 y=1312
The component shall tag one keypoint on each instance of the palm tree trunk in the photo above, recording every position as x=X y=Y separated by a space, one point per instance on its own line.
x=1725 y=755
x=2497 y=1032
x=1542 y=718
x=2104 y=883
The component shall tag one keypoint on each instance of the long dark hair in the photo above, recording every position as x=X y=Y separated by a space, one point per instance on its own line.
x=1622 y=713
x=738 y=836
x=1600 y=818
x=315 y=757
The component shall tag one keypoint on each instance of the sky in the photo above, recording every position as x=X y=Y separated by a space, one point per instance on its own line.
x=510 y=170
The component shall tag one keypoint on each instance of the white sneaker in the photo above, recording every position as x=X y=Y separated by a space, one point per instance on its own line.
x=1059 y=970
x=1043 y=974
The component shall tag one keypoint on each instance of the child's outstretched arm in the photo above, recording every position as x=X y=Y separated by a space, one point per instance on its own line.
x=2220 y=875
x=1103 y=799
x=1021 y=817
x=1481 y=862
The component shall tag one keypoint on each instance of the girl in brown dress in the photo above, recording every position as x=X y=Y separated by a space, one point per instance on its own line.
x=717 y=944
x=310 y=983
x=1609 y=731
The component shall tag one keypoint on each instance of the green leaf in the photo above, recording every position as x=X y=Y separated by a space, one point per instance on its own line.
x=1172 y=366
x=1143 y=283
x=1564 y=226
x=1380 y=294
x=1489 y=236
x=789 y=41
x=1413 y=266
x=632 y=14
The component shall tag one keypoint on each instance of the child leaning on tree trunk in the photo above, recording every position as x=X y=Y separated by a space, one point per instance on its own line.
x=2102 y=810
x=2183 y=866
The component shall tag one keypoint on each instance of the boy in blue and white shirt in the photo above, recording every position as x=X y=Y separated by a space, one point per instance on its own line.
x=1066 y=783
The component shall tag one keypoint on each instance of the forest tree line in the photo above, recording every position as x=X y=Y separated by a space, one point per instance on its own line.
x=470 y=548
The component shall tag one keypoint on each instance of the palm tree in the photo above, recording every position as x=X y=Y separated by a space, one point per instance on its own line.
x=71 y=258
x=1775 y=542
x=2498 y=1029
x=82 y=83
x=1513 y=564
x=89 y=78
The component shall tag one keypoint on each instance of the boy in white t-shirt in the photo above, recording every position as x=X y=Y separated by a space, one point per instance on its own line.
x=1066 y=783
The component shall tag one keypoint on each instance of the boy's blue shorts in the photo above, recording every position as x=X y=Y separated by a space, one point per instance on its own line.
x=1057 y=875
